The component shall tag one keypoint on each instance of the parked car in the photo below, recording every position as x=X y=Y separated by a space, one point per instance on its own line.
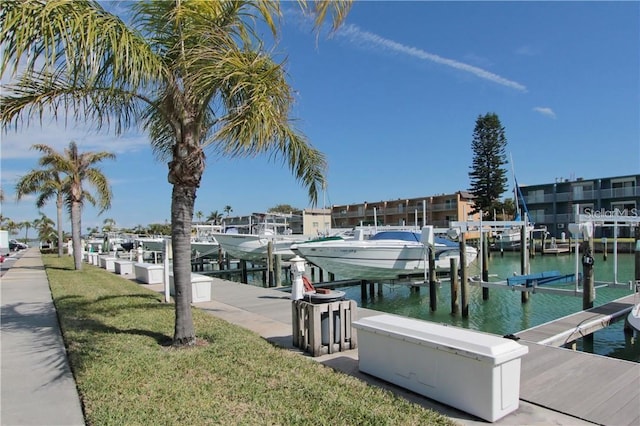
x=15 y=245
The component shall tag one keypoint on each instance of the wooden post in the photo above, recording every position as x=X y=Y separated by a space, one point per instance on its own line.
x=604 y=256
x=363 y=290
x=372 y=289
x=532 y=244
x=433 y=295
x=485 y=268
x=588 y=290
x=380 y=288
x=270 y=264
x=453 y=262
x=243 y=274
x=277 y=270
x=543 y=243
x=464 y=280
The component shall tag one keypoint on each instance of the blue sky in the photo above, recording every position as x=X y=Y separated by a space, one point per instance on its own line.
x=392 y=100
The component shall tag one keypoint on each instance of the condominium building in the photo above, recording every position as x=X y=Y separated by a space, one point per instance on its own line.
x=436 y=210
x=552 y=204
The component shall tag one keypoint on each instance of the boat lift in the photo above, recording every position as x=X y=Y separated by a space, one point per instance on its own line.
x=611 y=219
x=582 y=228
x=527 y=282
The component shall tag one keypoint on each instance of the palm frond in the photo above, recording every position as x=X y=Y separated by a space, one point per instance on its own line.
x=78 y=35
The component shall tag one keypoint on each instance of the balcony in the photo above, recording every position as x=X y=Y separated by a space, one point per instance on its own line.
x=604 y=194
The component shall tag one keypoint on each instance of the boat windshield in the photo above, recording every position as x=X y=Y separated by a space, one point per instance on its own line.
x=397 y=235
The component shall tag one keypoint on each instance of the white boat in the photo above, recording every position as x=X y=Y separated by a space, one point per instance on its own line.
x=155 y=243
x=387 y=255
x=254 y=247
x=633 y=319
x=204 y=242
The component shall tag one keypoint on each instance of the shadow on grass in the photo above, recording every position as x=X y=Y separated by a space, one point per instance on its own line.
x=84 y=310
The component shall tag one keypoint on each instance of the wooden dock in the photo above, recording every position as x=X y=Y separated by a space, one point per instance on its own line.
x=566 y=330
x=557 y=250
x=594 y=388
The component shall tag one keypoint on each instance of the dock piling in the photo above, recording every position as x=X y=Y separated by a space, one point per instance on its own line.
x=433 y=295
x=453 y=262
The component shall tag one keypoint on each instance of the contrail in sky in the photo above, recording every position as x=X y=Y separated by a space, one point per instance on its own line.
x=357 y=35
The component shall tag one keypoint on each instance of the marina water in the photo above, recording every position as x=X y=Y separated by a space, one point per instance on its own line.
x=503 y=313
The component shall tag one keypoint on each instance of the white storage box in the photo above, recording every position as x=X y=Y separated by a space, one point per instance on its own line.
x=200 y=287
x=476 y=372
x=106 y=262
x=92 y=258
x=149 y=273
x=123 y=267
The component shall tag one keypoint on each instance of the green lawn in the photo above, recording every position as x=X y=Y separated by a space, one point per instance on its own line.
x=117 y=334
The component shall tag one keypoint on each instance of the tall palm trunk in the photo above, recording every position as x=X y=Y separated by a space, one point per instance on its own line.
x=185 y=173
x=76 y=226
x=182 y=203
x=59 y=204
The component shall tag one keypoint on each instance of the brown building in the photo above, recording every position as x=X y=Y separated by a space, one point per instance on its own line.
x=440 y=210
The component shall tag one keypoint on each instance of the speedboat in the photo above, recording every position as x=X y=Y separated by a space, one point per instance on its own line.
x=254 y=247
x=387 y=255
x=634 y=317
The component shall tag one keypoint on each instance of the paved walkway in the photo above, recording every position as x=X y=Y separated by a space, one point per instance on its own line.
x=38 y=387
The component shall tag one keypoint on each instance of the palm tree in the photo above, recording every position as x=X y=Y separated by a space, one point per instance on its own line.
x=214 y=217
x=193 y=73
x=227 y=210
x=45 y=227
x=48 y=184
x=199 y=215
x=77 y=168
x=26 y=224
x=11 y=227
x=109 y=225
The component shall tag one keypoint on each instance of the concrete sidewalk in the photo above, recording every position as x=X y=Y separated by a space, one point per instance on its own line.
x=37 y=385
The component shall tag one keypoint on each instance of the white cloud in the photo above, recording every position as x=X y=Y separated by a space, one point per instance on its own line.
x=546 y=111
x=358 y=36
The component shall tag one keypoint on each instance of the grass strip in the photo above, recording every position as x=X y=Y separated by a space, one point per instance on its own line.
x=116 y=334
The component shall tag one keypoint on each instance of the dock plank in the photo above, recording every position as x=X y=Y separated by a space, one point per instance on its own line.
x=622 y=396
x=572 y=327
x=575 y=383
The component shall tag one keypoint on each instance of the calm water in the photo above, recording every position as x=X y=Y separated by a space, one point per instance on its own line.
x=503 y=313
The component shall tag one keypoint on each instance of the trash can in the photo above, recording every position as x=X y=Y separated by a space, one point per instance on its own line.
x=311 y=325
x=328 y=297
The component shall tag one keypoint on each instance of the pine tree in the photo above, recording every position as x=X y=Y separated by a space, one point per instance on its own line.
x=488 y=177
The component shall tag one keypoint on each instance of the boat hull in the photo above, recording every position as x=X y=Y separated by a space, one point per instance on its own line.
x=201 y=249
x=254 y=248
x=634 y=317
x=369 y=261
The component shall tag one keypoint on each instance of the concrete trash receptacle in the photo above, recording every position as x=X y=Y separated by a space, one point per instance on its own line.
x=476 y=372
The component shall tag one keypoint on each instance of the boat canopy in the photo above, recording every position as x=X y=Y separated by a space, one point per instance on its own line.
x=397 y=235
x=411 y=236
